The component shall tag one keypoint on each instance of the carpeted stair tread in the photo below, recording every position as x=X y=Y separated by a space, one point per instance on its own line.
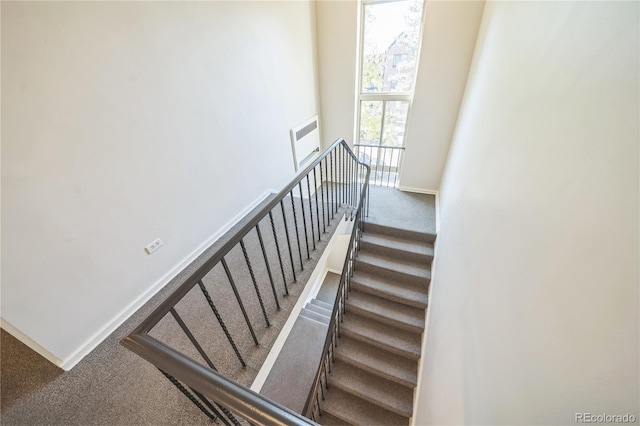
x=327 y=306
x=397 y=246
x=395 y=290
x=357 y=411
x=405 y=269
x=318 y=309
x=382 y=392
x=401 y=233
x=381 y=335
x=328 y=420
x=314 y=316
x=397 y=314
x=378 y=361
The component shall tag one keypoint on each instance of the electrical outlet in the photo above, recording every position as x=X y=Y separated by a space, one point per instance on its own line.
x=153 y=246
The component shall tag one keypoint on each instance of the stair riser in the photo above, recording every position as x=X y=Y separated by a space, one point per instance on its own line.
x=324 y=305
x=387 y=295
x=378 y=344
x=314 y=316
x=356 y=392
x=402 y=233
x=319 y=310
x=423 y=259
x=393 y=275
x=386 y=320
x=375 y=371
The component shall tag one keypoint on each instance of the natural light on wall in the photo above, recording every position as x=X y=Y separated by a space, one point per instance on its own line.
x=389 y=46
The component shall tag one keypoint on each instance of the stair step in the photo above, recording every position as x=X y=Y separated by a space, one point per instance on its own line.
x=393 y=268
x=396 y=290
x=319 y=310
x=314 y=316
x=418 y=251
x=382 y=335
x=328 y=420
x=393 y=313
x=379 y=391
x=401 y=233
x=327 y=306
x=378 y=361
x=357 y=411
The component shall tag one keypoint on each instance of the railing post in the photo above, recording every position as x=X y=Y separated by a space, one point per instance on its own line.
x=275 y=238
x=304 y=221
x=253 y=280
x=286 y=232
x=221 y=322
x=266 y=262
x=295 y=224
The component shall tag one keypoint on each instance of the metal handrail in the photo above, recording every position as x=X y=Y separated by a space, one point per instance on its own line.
x=205 y=381
x=338 y=303
x=355 y=145
x=379 y=166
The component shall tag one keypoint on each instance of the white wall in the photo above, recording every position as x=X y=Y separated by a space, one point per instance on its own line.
x=448 y=40
x=534 y=308
x=127 y=121
x=337 y=32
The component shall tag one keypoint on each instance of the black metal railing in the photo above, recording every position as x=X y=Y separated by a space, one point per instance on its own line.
x=385 y=163
x=313 y=406
x=330 y=185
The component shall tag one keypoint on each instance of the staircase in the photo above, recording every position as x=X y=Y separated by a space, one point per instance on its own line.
x=376 y=360
x=317 y=310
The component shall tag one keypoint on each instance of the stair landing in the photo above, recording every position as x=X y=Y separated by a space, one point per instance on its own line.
x=295 y=368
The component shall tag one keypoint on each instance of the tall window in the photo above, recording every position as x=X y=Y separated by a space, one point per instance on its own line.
x=389 y=55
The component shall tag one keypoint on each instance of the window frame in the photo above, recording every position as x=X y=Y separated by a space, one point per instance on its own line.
x=382 y=96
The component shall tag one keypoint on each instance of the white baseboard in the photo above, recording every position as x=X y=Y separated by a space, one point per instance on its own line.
x=6 y=326
x=136 y=304
x=418 y=190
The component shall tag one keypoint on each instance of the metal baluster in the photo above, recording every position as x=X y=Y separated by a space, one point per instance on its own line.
x=353 y=186
x=295 y=224
x=368 y=199
x=377 y=163
x=266 y=262
x=389 y=170
x=326 y=171
x=275 y=237
x=342 y=174
x=337 y=180
x=188 y=394
x=221 y=322
x=286 y=233
x=370 y=156
x=212 y=406
x=330 y=178
x=255 y=283
x=326 y=363
x=333 y=350
x=349 y=180
x=193 y=340
x=313 y=237
x=315 y=186
x=324 y=215
x=235 y=292
x=395 y=175
x=304 y=220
